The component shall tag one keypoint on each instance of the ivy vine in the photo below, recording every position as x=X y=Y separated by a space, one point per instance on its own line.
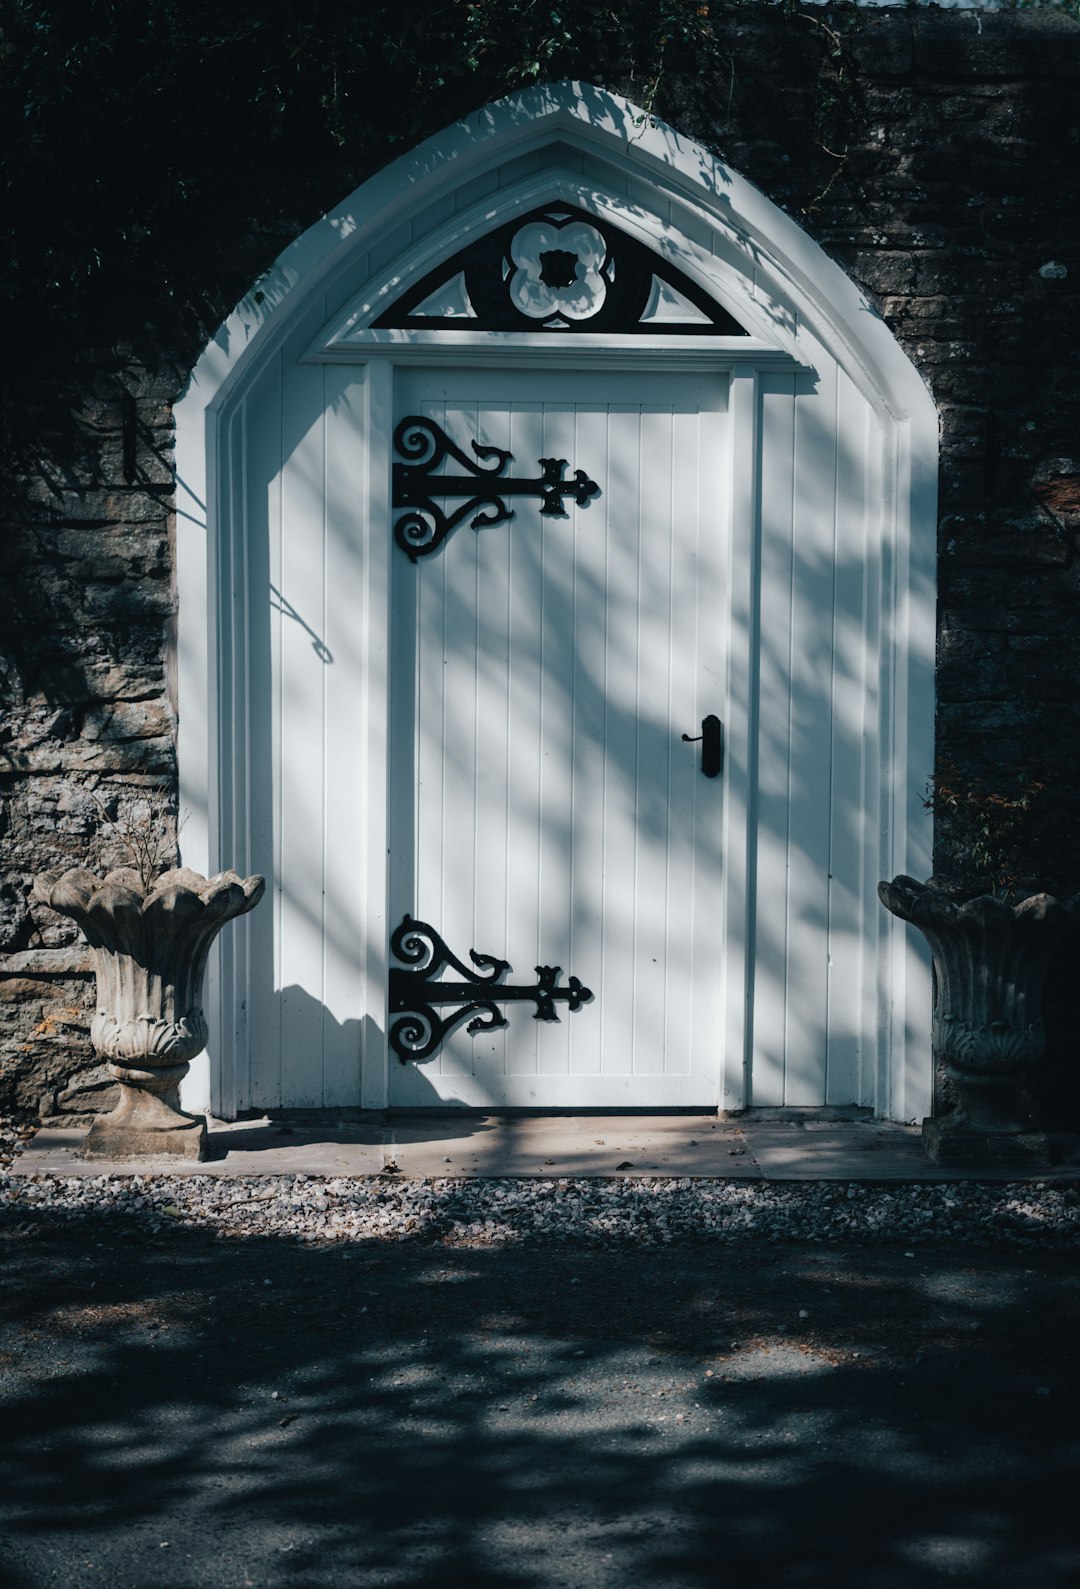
x=156 y=155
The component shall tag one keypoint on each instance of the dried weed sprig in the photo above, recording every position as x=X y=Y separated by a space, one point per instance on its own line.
x=145 y=830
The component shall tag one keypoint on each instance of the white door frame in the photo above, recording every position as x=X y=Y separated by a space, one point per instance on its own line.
x=794 y=301
x=374 y=419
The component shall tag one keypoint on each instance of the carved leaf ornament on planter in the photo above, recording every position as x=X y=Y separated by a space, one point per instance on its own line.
x=150 y=947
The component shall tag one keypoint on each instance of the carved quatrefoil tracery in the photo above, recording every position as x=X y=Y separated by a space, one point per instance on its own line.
x=559 y=269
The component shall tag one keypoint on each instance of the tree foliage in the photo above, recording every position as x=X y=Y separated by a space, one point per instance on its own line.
x=156 y=154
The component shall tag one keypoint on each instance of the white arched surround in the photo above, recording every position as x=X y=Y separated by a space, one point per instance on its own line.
x=832 y=594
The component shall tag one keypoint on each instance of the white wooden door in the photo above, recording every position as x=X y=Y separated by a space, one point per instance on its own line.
x=543 y=806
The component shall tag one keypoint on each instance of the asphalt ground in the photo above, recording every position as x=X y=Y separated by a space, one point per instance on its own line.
x=185 y=1412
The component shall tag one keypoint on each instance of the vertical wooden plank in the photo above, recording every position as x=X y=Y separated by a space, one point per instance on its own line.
x=416 y=728
x=228 y=976
x=344 y=924
x=653 y=732
x=703 y=509
x=591 y=531
x=850 y=838
x=373 y=805
x=459 y=817
x=876 y=1052
x=525 y=749
x=251 y=848
x=303 y=671
x=739 y=848
x=491 y=623
x=810 y=741
x=620 y=738
x=407 y=778
x=774 y=772
x=555 y=887
x=682 y=623
x=264 y=529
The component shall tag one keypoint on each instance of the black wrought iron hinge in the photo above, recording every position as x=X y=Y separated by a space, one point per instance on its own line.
x=425 y=524
x=416 y=1027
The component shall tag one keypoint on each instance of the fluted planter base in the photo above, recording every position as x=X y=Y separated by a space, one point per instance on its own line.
x=958 y=1147
x=144 y=1126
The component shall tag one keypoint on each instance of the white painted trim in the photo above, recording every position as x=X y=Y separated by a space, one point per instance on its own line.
x=740 y=733
x=375 y=696
x=480 y=348
x=729 y=280
x=794 y=289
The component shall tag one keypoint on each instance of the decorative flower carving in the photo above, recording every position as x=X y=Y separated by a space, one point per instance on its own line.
x=558 y=270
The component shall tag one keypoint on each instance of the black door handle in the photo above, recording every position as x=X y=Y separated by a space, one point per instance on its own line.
x=712 y=745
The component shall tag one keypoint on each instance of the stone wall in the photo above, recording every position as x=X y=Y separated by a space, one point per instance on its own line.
x=88 y=723
x=936 y=155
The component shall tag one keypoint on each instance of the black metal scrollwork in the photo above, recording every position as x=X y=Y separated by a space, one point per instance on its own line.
x=558 y=268
x=425 y=524
x=416 y=1027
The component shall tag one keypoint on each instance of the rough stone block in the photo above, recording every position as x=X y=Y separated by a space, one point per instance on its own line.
x=92 y=1090
x=996 y=46
x=154 y=755
x=985 y=1150
x=45 y=962
x=14 y=918
x=882 y=47
x=122 y=1140
x=128 y=720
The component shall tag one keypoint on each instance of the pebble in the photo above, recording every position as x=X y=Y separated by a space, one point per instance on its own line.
x=583 y=1213
x=587 y=1213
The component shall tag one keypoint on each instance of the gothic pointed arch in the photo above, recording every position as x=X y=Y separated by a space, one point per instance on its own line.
x=561 y=228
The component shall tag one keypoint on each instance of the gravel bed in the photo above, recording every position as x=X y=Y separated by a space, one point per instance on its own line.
x=14 y=1135
x=649 y=1212
x=597 y=1213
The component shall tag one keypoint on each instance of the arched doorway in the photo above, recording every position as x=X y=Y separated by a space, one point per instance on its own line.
x=555 y=444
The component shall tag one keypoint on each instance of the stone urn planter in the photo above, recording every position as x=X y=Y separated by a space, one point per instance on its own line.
x=990 y=963
x=150 y=947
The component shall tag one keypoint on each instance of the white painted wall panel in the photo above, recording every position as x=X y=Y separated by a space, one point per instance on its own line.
x=818 y=735
x=261 y=576
x=300 y=584
x=853 y=900
x=809 y=769
x=301 y=732
x=343 y=992
x=771 y=948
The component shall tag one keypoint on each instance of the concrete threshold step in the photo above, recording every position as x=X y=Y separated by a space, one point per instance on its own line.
x=808 y=1147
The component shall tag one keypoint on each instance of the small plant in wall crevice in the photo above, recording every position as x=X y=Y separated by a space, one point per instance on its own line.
x=988 y=830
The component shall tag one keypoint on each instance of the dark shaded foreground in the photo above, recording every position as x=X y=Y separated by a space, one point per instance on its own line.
x=190 y=1413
